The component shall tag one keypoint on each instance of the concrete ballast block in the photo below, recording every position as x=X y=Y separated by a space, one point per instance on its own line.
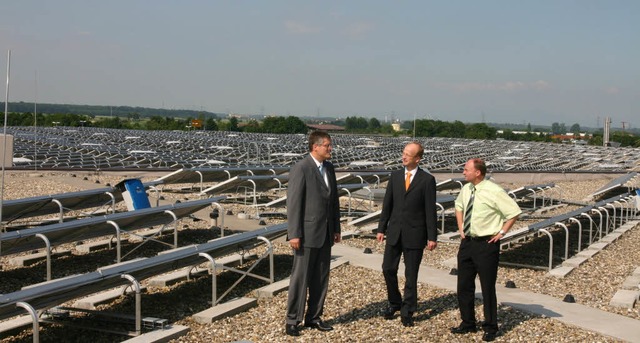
x=575 y=261
x=598 y=246
x=624 y=298
x=632 y=282
x=92 y=302
x=588 y=253
x=158 y=336
x=560 y=272
x=31 y=259
x=270 y=290
x=227 y=309
x=94 y=246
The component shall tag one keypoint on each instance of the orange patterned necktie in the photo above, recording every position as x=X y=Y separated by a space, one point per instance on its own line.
x=407 y=181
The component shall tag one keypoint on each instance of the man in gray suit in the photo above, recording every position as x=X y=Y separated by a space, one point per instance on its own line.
x=313 y=214
x=408 y=220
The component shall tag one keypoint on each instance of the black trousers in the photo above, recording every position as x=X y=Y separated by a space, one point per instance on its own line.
x=478 y=257
x=390 y=263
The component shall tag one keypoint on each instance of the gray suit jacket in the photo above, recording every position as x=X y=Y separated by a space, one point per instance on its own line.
x=313 y=211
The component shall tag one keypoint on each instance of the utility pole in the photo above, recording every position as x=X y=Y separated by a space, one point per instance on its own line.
x=607 y=128
x=624 y=125
x=414 y=126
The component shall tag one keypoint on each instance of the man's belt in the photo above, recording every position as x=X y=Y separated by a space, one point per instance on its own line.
x=480 y=238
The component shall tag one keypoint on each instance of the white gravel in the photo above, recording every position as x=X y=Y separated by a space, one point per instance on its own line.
x=356 y=298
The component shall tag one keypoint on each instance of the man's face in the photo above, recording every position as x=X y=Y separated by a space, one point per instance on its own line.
x=323 y=151
x=410 y=157
x=470 y=172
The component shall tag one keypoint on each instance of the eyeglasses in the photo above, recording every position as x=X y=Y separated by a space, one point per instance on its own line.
x=326 y=146
x=404 y=154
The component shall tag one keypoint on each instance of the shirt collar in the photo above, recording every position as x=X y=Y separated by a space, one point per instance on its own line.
x=413 y=172
x=479 y=185
x=318 y=164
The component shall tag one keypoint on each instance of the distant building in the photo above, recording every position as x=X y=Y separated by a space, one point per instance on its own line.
x=395 y=127
x=573 y=138
x=521 y=132
x=325 y=127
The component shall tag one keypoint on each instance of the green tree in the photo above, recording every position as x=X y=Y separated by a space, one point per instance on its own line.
x=155 y=123
x=481 y=131
x=374 y=124
x=509 y=135
x=457 y=129
x=575 y=128
x=110 y=123
x=596 y=140
x=223 y=125
x=252 y=126
x=133 y=116
x=387 y=129
x=356 y=124
x=233 y=124
x=563 y=128
x=558 y=128
x=625 y=139
x=295 y=125
x=211 y=124
x=274 y=125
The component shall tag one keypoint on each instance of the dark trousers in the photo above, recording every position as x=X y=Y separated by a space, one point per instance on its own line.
x=477 y=257
x=310 y=271
x=390 y=263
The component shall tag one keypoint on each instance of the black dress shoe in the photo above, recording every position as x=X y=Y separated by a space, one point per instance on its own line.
x=389 y=313
x=489 y=336
x=406 y=321
x=292 y=330
x=463 y=329
x=320 y=325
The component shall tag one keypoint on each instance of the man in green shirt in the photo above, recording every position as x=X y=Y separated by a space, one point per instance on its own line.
x=484 y=212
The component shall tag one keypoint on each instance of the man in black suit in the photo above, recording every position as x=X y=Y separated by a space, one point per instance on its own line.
x=408 y=220
x=313 y=214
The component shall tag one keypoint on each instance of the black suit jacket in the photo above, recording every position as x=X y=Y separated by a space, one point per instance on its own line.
x=409 y=217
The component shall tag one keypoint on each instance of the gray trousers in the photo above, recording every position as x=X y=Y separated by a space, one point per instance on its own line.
x=310 y=271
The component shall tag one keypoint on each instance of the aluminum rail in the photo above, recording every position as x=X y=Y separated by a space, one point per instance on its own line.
x=25 y=240
x=56 y=203
x=558 y=221
x=46 y=295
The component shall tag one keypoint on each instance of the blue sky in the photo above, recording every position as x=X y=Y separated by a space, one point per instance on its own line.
x=494 y=61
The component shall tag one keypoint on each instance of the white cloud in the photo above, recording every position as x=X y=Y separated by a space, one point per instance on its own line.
x=359 y=29
x=540 y=85
x=300 y=28
x=509 y=86
x=612 y=90
x=336 y=14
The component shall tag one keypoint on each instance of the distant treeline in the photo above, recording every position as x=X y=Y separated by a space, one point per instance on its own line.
x=140 y=118
x=106 y=111
x=211 y=123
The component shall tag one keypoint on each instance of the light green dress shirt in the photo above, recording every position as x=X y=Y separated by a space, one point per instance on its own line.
x=492 y=206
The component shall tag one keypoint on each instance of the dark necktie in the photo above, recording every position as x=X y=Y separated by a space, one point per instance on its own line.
x=467 y=213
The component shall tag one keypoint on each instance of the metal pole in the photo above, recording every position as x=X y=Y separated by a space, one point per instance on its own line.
x=6 y=114
x=35 y=127
x=34 y=316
